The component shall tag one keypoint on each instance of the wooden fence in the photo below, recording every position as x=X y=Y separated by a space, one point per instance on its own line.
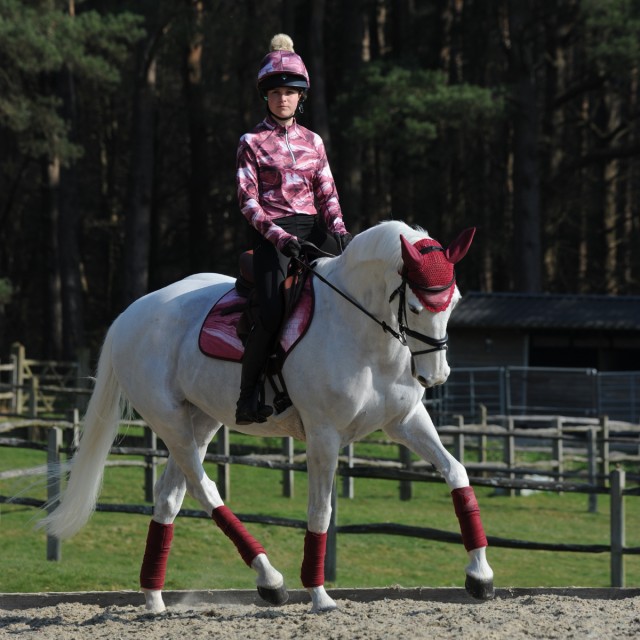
x=62 y=438
x=35 y=387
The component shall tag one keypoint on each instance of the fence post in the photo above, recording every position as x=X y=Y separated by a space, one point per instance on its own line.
x=53 y=486
x=604 y=448
x=405 y=461
x=17 y=356
x=558 y=449
x=617 y=482
x=151 y=464
x=84 y=373
x=71 y=437
x=331 y=557
x=347 y=481
x=224 y=474
x=33 y=397
x=287 y=474
x=458 y=440
x=592 y=469
x=509 y=456
x=482 y=438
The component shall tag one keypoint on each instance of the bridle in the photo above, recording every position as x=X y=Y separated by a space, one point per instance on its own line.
x=436 y=344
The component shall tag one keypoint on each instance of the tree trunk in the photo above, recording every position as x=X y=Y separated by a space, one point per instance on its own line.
x=526 y=191
x=350 y=174
x=69 y=236
x=52 y=330
x=318 y=94
x=139 y=198
x=200 y=245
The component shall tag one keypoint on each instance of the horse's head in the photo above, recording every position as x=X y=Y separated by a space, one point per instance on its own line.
x=428 y=270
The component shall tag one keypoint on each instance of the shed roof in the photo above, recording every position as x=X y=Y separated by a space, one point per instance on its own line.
x=547 y=311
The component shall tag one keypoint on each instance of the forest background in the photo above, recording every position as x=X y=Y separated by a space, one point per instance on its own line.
x=119 y=123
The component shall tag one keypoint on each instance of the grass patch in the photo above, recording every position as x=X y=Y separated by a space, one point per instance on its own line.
x=107 y=553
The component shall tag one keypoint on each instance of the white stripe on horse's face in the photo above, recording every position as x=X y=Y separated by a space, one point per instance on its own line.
x=429 y=369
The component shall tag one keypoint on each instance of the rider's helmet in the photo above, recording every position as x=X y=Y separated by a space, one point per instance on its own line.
x=282 y=67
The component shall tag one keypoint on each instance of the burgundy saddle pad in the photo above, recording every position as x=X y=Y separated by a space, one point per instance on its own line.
x=218 y=336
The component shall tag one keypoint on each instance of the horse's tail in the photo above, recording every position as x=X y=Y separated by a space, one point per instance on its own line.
x=87 y=467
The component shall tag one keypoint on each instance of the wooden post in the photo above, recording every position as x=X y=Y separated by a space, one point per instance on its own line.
x=84 y=373
x=331 y=559
x=509 y=455
x=53 y=486
x=592 y=467
x=617 y=482
x=17 y=357
x=287 y=474
x=558 y=449
x=33 y=397
x=71 y=437
x=405 y=461
x=604 y=449
x=482 y=438
x=347 y=481
x=224 y=476
x=458 y=440
x=151 y=464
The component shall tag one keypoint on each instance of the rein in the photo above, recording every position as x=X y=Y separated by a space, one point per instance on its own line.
x=436 y=344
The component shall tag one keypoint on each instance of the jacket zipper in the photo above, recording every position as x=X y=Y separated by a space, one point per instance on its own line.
x=286 y=137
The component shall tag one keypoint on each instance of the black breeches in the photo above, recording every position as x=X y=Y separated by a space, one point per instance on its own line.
x=270 y=266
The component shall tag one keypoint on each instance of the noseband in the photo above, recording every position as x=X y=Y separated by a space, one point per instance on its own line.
x=437 y=344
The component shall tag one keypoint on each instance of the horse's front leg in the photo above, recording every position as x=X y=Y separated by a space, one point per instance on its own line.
x=418 y=433
x=323 y=446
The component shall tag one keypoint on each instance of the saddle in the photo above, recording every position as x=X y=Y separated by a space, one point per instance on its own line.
x=229 y=321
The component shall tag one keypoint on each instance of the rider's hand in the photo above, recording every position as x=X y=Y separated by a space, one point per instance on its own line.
x=343 y=239
x=291 y=248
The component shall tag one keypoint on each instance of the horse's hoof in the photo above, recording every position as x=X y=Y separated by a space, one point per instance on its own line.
x=479 y=589
x=276 y=597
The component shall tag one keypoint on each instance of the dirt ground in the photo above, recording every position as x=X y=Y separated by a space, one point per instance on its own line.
x=528 y=616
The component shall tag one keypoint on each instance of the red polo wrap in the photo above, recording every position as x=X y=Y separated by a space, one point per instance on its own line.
x=315 y=549
x=247 y=545
x=468 y=513
x=154 y=564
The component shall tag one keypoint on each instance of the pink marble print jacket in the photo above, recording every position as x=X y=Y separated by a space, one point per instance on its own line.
x=281 y=172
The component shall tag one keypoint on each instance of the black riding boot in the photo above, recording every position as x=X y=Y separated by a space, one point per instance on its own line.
x=250 y=408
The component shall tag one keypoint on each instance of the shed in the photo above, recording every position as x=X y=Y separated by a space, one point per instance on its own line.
x=546 y=330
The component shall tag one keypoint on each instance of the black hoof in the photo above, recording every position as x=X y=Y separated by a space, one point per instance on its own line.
x=480 y=589
x=276 y=597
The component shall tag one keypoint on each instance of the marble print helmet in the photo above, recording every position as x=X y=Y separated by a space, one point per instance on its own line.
x=282 y=66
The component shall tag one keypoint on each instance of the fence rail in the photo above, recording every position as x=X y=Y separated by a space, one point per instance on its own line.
x=403 y=471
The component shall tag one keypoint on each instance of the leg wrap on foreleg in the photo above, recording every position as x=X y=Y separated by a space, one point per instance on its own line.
x=315 y=549
x=154 y=564
x=247 y=545
x=468 y=513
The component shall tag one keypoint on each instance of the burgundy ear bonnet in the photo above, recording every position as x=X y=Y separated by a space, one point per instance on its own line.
x=429 y=271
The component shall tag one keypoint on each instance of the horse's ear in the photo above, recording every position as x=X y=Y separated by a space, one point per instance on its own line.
x=459 y=247
x=410 y=255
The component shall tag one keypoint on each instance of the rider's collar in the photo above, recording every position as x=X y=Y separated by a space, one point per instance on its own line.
x=274 y=123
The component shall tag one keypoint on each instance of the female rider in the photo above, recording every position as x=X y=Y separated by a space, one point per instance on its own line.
x=284 y=182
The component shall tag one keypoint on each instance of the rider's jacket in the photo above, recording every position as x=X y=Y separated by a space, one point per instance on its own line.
x=282 y=172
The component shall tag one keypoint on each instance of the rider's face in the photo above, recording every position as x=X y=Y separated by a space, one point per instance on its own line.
x=283 y=102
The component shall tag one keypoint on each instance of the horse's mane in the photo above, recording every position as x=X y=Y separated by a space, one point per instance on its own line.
x=382 y=243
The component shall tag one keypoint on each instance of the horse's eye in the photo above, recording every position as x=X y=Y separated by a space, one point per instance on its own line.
x=415 y=308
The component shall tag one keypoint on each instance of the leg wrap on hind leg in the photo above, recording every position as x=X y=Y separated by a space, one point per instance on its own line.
x=247 y=545
x=154 y=564
x=315 y=549
x=468 y=513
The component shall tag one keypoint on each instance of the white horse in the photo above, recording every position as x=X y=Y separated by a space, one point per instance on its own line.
x=346 y=378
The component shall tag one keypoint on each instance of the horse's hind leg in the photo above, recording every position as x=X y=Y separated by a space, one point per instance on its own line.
x=418 y=433
x=184 y=473
x=169 y=493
